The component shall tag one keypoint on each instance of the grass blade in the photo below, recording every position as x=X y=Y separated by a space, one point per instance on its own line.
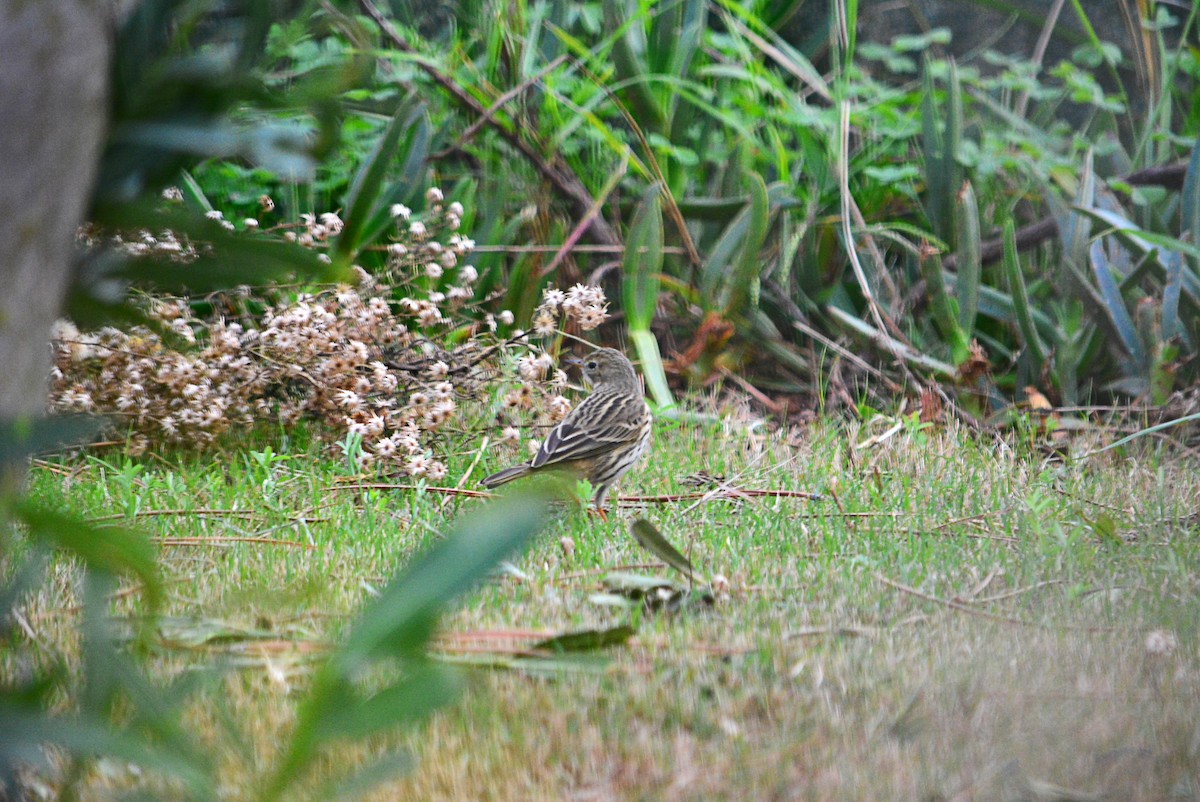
x=943 y=307
x=741 y=288
x=1127 y=333
x=643 y=260
x=1026 y=330
x=970 y=263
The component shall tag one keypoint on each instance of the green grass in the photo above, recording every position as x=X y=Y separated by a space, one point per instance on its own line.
x=815 y=677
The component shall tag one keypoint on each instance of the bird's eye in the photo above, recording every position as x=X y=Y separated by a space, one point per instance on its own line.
x=593 y=365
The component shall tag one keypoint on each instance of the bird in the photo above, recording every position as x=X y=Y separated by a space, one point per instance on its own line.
x=600 y=439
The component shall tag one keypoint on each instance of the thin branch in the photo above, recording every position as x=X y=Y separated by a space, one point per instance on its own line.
x=152 y=513
x=1000 y=619
x=449 y=491
x=720 y=493
x=222 y=540
x=475 y=127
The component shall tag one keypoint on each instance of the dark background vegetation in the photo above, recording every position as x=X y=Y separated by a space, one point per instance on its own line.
x=823 y=201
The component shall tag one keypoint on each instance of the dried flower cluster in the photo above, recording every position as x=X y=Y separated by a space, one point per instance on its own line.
x=371 y=362
x=583 y=304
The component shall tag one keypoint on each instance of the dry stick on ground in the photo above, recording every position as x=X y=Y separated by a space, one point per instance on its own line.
x=450 y=491
x=674 y=250
x=1020 y=591
x=608 y=569
x=224 y=540
x=720 y=493
x=560 y=177
x=1000 y=619
x=151 y=513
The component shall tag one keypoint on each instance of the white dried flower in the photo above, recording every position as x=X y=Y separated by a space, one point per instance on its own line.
x=348 y=399
x=559 y=407
x=505 y=317
x=333 y=224
x=433 y=195
x=455 y=208
x=1159 y=642
x=530 y=368
x=399 y=210
x=433 y=270
x=591 y=318
x=545 y=323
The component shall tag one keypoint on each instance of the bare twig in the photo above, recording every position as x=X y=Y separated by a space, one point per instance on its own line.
x=720 y=493
x=1020 y=591
x=1000 y=619
x=223 y=540
x=449 y=491
x=153 y=513
x=475 y=127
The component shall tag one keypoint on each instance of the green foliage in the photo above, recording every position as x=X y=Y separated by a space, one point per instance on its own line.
x=558 y=119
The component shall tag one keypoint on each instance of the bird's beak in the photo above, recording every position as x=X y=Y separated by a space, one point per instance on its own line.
x=575 y=361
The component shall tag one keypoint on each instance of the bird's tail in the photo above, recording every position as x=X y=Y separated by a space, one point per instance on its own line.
x=506 y=475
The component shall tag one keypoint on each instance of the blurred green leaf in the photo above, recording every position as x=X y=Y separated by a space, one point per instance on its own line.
x=398 y=625
x=587 y=640
x=649 y=538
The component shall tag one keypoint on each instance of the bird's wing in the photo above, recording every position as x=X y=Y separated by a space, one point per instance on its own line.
x=602 y=422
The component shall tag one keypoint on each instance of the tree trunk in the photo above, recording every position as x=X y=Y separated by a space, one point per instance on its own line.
x=53 y=92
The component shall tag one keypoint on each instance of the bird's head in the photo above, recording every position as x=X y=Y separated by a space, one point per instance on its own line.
x=606 y=366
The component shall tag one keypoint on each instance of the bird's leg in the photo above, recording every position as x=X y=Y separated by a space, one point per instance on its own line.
x=599 y=512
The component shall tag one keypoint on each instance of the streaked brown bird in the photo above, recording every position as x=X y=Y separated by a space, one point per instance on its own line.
x=601 y=438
